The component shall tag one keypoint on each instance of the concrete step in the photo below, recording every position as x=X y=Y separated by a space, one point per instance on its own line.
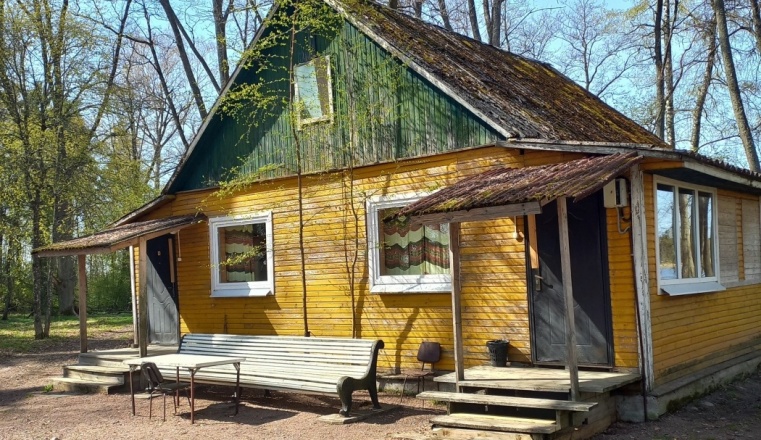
x=518 y=425
x=97 y=373
x=87 y=386
x=507 y=401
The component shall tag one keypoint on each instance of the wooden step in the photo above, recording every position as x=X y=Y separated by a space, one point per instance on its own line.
x=515 y=402
x=96 y=373
x=86 y=386
x=98 y=359
x=464 y=434
x=496 y=423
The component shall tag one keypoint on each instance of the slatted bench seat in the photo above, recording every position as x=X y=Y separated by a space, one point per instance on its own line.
x=290 y=363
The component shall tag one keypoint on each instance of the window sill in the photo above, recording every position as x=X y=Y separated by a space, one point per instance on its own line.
x=242 y=293
x=691 y=288
x=412 y=288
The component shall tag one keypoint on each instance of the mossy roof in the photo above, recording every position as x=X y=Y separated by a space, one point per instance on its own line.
x=524 y=97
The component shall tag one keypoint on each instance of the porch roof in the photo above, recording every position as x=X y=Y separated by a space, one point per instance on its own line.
x=503 y=192
x=118 y=237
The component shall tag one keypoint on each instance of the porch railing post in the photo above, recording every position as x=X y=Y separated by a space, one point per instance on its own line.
x=570 y=323
x=454 y=269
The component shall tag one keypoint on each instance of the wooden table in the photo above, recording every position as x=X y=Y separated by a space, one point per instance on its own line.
x=191 y=362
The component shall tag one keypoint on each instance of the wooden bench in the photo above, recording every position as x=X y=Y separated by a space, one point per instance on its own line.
x=290 y=363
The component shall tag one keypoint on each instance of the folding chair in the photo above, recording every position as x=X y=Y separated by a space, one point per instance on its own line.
x=429 y=352
x=157 y=385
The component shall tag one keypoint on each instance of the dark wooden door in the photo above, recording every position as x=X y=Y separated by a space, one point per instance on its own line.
x=163 y=316
x=589 y=269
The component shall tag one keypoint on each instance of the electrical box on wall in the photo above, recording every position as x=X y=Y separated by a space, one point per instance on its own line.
x=615 y=194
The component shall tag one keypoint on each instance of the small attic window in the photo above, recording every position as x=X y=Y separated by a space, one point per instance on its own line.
x=314 y=96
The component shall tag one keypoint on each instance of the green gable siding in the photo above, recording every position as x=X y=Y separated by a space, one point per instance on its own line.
x=383 y=111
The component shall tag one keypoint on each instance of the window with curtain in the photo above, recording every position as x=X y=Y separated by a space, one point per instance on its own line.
x=241 y=256
x=405 y=258
x=416 y=250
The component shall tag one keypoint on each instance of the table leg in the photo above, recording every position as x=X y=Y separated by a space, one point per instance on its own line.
x=131 y=389
x=177 y=393
x=192 y=395
x=237 y=386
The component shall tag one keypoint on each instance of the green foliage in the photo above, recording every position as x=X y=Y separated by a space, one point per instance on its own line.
x=109 y=288
x=17 y=333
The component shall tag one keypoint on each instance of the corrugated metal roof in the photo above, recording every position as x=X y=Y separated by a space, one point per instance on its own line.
x=118 y=237
x=525 y=97
x=506 y=186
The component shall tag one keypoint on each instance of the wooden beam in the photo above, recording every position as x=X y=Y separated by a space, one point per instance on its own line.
x=82 y=261
x=570 y=320
x=478 y=214
x=454 y=269
x=642 y=276
x=533 y=252
x=133 y=295
x=142 y=300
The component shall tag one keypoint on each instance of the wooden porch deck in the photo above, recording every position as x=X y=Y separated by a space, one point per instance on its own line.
x=540 y=379
x=120 y=354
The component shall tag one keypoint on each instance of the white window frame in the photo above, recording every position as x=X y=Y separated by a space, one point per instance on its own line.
x=245 y=288
x=687 y=286
x=396 y=283
x=328 y=73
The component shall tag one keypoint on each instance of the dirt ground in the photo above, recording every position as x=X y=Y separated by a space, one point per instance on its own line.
x=27 y=412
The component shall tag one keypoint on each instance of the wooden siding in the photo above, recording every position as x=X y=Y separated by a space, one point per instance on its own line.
x=383 y=112
x=622 y=293
x=728 y=240
x=751 y=229
x=693 y=332
x=494 y=291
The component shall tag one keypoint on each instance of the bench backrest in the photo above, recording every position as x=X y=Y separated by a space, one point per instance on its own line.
x=300 y=355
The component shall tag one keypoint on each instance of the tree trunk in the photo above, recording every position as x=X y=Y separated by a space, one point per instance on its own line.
x=668 y=75
x=697 y=111
x=192 y=83
x=495 y=28
x=162 y=80
x=220 y=25
x=3 y=274
x=743 y=127
x=755 y=13
x=473 y=16
x=299 y=178
x=686 y=240
x=660 y=101
x=65 y=283
x=37 y=276
x=444 y=12
x=418 y=8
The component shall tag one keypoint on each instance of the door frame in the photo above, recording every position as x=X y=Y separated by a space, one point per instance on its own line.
x=606 y=288
x=172 y=279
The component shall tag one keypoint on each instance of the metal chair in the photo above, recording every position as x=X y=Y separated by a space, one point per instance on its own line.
x=157 y=385
x=429 y=352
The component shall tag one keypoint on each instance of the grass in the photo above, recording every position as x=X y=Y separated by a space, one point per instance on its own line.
x=17 y=333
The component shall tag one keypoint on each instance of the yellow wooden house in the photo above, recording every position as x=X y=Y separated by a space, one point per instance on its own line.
x=288 y=222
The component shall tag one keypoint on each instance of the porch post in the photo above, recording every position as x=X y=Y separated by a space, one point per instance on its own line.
x=82 y=261
x=133 y=295
x=570 y=322
x=142 y=300
x=454 y=270
x=642 y=275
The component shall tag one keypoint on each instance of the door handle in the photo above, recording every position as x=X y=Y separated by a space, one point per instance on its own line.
x=538 y=281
